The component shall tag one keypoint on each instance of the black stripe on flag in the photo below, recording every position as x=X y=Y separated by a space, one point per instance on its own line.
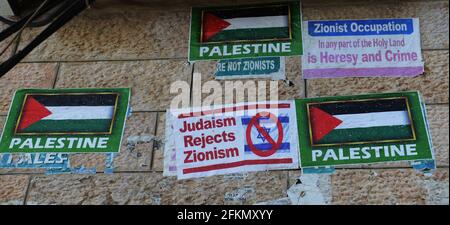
x=278 y=10
x=77 y=99
x=369 y=106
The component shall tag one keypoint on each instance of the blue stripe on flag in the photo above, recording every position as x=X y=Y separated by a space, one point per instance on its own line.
x=282 y=119
x=263 y=147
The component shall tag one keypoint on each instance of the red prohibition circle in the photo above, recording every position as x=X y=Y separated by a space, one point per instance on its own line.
x=275 y=145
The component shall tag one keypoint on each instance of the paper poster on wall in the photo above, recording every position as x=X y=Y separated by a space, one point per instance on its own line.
x=362 y=48
x=245 y=31
x=65 y=120
x=235 y=138
x=362 y=129
x=261 y=67
x=170 y=160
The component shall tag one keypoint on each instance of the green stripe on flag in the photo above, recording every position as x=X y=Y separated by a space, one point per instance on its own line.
x=367 y=134
x=251 y=34
x=69 y=126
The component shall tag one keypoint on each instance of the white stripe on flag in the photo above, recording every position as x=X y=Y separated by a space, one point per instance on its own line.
x=80 y=112
x=257 y=22
x=377 y=119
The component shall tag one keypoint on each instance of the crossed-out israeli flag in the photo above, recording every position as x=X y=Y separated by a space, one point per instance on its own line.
x=270 y=127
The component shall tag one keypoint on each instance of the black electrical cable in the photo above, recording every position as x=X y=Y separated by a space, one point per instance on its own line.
x=74 y=9
x=54 y=8
x=35 y=13
x=13 y=28
x=49 y=6
x=50 y=15
x=50 y=11
x=7 y=21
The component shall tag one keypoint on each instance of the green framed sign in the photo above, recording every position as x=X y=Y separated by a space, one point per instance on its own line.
x=362 y=129
x=245 y=31
x=66 y=121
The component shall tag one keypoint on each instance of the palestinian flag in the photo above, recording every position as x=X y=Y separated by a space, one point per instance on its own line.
x=67 y=113
x=360 y=121
x=251 y=23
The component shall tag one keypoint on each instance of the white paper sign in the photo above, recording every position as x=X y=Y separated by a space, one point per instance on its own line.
x=235 y=138
x=362 y=48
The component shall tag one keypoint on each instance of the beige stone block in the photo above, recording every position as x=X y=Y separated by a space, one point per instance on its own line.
x=245 y=188
x=433 y=16
x=158 y=147
x=153 y=188
x=438 y=119
x=5 y=43
x=4 y=171
x=150 y=80
x=189 y=3
x=137 y=143
x=293 y=73
x=100 y=189
x=13 y=189
x=285 y=92
x=389 y=186
x=88 y=160
x=25 y=75
x=115 y=32
x=136 y=149
x=433 y=84
x=157 y=31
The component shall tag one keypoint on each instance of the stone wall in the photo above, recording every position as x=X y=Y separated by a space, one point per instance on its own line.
x=143 y=45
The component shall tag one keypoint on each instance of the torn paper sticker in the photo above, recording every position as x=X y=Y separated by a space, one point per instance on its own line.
x=311 y=189
x=240 y=194
x=170 y=161
x=280 y=201
x=35 y=160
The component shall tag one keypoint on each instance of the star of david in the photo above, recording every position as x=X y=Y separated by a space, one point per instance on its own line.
x=260 y=136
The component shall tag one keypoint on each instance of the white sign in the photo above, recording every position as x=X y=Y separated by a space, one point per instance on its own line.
x=362 y=48
x=234 y=138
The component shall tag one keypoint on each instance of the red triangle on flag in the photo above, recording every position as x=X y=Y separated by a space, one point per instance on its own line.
x=212 y=25
x=322 y=123
x=32 y=112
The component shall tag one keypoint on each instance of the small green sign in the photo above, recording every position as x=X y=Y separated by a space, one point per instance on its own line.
x=261 y=67
x=245 y=31
x=65 y=120
x=362 y=129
